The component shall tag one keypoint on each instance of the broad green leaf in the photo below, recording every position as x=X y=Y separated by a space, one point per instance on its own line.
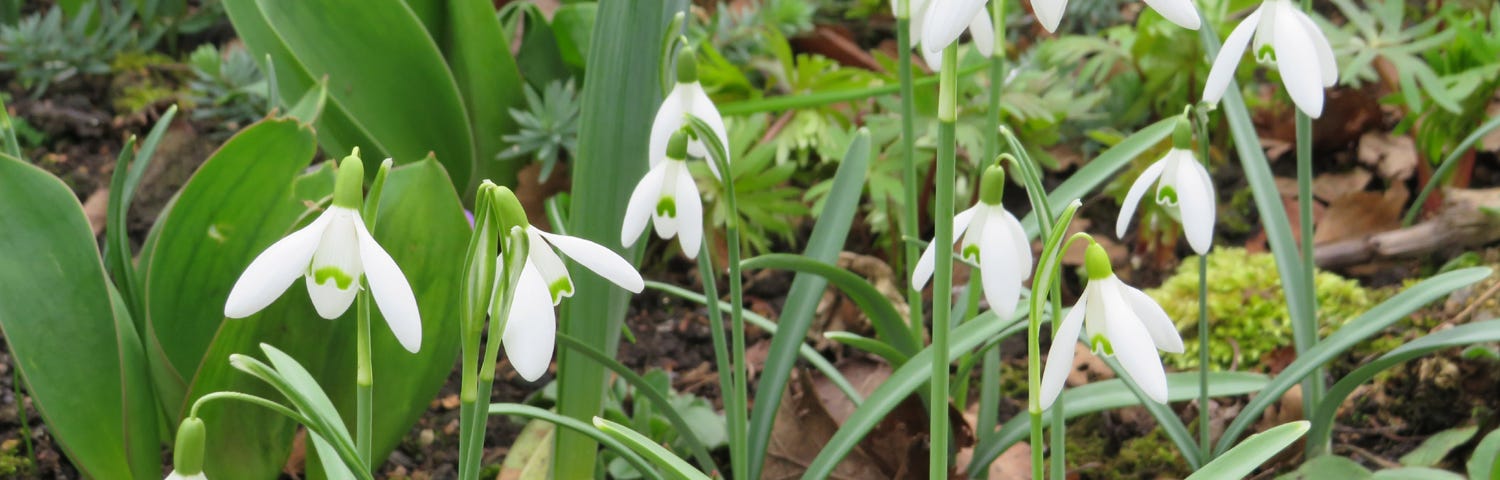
x=1328 y=467
x=1415 y=473
x=337 y=132
x=1432 y=450
x=1111 y=394
x=489 y=82
x=539 y=55
x=1357 y=330
x=572 y=25
x=140 y=410
x=59 y=322
x=1327 y=411
x=1482 y=463
x=1249 y=454
x=619 y=99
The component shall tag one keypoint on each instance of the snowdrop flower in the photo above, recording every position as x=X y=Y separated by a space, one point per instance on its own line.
x=935 y=24
x=332 y=253
x=686 y=98
x=1116 y=319
x=187 y=458
x=1183 y=188
x=1180 y=12
x=668 y=197
x=994 y=239
x=531 y=325
x=1288 y=37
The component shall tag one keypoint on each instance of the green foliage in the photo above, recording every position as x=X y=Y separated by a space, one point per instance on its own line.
x=46 y=49
x=769 y=208
x=1091 y=450
x=227 y=88
x=548 y=126
x=1247 y=309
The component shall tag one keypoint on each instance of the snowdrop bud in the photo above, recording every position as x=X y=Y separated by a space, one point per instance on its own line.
x=187 y=459
x=348 y=189
x=1096 y=262
x=677 y=146
x=992 y=185
x=687 y=66
x=507 y=209
x=1182 y=136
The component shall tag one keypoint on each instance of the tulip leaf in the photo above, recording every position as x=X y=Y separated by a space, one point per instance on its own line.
x=487 y=77
x=62 y=328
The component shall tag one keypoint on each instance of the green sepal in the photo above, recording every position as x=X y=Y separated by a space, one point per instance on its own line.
x=349 y=187
x=1096 y=261
x=1182 y=134
x=992 y=184
x=687 y=65
x=507 y=209
x=187 y=458
x=677 y=145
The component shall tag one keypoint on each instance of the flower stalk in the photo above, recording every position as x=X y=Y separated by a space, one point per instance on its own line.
x=942 y=292
x=1205 y=434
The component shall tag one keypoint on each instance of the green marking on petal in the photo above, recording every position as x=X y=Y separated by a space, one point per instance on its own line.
x=1101 y=345
x=666 y=207
x=560 y=288
x=1166 y=195
x=1265 y=54
x=343 y=280
x=971 y=253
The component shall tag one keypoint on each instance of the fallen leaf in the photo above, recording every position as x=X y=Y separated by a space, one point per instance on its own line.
x=530 y=456
x=801 y=429
x=1330 y=186
x=863 y=374
x=1393 y=157
x=1360 y=214
x=96 y=209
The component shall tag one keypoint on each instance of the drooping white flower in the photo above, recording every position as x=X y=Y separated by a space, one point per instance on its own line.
x=1184 y=189
x=1181 y=12
x=1114 y=319
x=1286 y=37
x=333 y=253
x=935 y=24
x=686 y=98
x=994 y=239
x=668 y=197
x=531 y=326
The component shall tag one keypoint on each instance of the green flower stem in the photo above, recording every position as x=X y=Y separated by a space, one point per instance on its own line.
x=721 y=343
x=910 y=226
x=505 y=290
x=818 y=99
x=349 y=456
x=1312 y=387
x=942 y=292
x=364 y=382
x=738 y=416
x=1205 y=440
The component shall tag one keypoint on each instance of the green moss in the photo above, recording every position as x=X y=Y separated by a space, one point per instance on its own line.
x=1247 y=308
x=1093 y=455
x=13 y=463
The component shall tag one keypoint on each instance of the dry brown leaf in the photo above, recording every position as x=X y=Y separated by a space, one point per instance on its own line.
x=1359 y=214
x=1330 y=186
x=96 y=209
x=1394 y=158
x=801 y=429
x=1013 y=464
x=863 y=374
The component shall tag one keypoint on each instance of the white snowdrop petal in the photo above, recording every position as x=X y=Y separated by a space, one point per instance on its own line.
x=336 y=263
x=689 y=214
x=389 y=288
x=1060 y=355
x=1228 y=59
x=1138 y=190
x=999 y=268
x=1163 y=332
x=1297 y=62
x=1195 y=193
x=598 y=259
x=643 y=201
x=923 y=270
x=702 y=107
x=1019 y=243
x=668 y=121
x=1328 y=67
x=982 y=33
x=549 y=266
x=1049 y=13
x=666 y=225
x=1180 y=12
x=1133 y=347
x=531 y=326
x=269 y=275
x=946 y=20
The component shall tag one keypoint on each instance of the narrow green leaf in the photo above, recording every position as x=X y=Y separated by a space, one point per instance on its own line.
x=1249 y=454
x=139 y=408
x=1446 y=167
x=1482 y=463
x=1328 y=467
x=58 y=321
x=1355 y=331
x=1327 y=412
x=1415 y=473
x=870 y=345
x=889 y=325
x=649 y=449
x=619 y=100
x=1102 y=168
x=528 y=411
x=1432 y=450
x=310 y=107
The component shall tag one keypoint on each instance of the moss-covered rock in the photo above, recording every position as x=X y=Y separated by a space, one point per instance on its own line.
x=1247 y=308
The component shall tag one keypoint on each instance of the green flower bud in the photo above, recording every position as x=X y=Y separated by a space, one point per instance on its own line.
x=349 y=187
x=992 y=185
x=677 y=145
x=1182 y=136
x=1096 y=262
x=687 y=65
x=187 y=459
x=507 y=209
